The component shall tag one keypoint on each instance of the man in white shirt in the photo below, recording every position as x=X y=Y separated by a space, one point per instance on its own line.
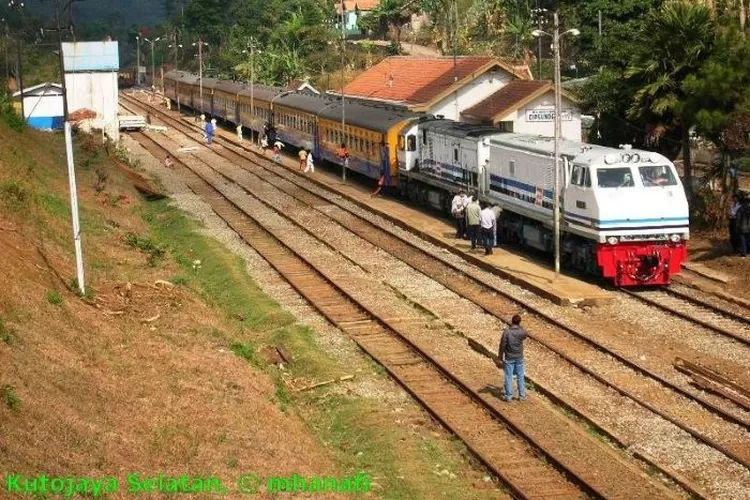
x=487 y=222
x=458 y=211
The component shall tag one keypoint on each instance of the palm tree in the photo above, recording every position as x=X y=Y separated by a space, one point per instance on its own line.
x=677 y=39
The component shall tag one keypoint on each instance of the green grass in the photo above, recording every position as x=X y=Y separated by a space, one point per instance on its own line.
x=222 y=278
x=7 y=334
x=9 y=398
x=54 y=297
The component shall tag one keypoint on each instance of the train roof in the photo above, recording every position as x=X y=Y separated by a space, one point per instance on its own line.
x=458 y=129
x=580 y=152
x=365 y=115
x=260 y=92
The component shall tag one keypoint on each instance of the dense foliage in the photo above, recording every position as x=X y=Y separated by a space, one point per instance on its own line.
x=656 y=71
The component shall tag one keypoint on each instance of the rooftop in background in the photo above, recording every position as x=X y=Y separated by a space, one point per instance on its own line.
x=508 y=99
x=354 y=5
x=421 y=81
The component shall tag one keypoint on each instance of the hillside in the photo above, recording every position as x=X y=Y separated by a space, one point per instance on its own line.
x=177 y=361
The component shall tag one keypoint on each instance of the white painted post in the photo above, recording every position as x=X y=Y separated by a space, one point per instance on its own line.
x=74 y=208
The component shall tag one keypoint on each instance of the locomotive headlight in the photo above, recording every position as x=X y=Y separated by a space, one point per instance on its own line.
x=612 y=240
x=675 y=238
x=636 y=158
x=626 y=158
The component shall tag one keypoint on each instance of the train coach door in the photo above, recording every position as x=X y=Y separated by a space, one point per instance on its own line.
x=578 y=201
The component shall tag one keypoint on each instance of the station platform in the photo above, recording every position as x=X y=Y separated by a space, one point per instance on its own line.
x=526 y=273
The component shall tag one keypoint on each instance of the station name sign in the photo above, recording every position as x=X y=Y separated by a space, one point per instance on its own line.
x=548 y=115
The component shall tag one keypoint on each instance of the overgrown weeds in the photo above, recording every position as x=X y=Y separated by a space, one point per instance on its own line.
x=54 y=297
x=154 y=251
x=9 y=398
x=14 y=195
x=8 y=113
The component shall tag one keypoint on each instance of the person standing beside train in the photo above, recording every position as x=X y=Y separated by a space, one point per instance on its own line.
x=458 y=211
x=209 y=131
x=733 y=234
x=510 y=358
x=488 y=225
x=497 y=211
x=743 y=225
x=472 y=221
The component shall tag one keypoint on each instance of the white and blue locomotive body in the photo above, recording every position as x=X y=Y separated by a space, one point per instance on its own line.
x=623 y=212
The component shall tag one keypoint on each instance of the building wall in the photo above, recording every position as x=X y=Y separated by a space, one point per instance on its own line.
x=537 y=118
x=44 y=111
x=469 y=95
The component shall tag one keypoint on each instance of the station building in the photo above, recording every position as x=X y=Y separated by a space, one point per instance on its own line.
x=527 y=107
x=435 y=85
x=43 y=106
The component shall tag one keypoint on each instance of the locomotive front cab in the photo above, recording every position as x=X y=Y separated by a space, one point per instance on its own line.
x=641 y=214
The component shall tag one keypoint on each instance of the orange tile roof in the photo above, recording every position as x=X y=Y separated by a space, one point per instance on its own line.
x=509 y=98
x=415 y=81
x=352 y=5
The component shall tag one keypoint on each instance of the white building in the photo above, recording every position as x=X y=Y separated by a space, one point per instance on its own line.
x=43 y=106
x=91 y=71
x=527 y=107
x=435 y=85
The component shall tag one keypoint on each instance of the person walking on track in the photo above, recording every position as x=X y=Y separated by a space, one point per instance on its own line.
x=239 y=133
x=302 y=159
x=510 y=358
x=310 y=165
x=210 y=128
x=277 y=146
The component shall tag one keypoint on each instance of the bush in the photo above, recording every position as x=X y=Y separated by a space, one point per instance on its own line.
x=8 y=113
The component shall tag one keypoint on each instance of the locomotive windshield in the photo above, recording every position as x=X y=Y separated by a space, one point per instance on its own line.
x=615 y=177
x=657 y=176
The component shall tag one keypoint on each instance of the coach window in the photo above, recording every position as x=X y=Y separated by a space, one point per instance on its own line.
x=455 y=155
x=424 y=136
x=512 y=167
x=411 y=142
x=401 y=143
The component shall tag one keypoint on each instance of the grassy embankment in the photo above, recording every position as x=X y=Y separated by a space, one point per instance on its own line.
x=96 y=386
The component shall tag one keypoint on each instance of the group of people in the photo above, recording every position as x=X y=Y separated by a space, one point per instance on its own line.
x=476 y=221
x=739 y=223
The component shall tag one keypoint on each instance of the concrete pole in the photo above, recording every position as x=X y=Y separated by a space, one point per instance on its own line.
x=343 y=101
x=556 y=193
x=153 y=65
x=138 y=60
x=71 y=167
x=200 y=70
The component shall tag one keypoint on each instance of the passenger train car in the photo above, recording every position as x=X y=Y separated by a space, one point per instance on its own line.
x=624 y=212
x=302 y=120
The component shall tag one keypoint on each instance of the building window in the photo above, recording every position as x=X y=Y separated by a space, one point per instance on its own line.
x=506 y=126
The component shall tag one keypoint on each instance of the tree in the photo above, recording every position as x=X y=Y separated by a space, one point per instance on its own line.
x=677 y=40
x=721 y=89
x=389 y=14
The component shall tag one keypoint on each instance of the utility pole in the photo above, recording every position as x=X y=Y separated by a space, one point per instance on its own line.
x=200 y=44
x=69 y=156
x=153 y=65
x=540 y=21
x=345 y=162
x=251 y=46
x=556 y=35
x=138 y=59
x=19 y=6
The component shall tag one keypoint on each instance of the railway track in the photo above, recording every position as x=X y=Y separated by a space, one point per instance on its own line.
x=709 y=311
x=517 y=462
x=472 y=289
